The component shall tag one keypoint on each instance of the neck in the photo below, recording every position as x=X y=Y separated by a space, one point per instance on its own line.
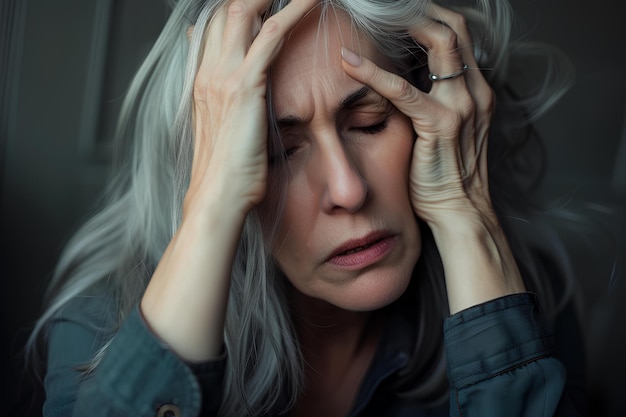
x=337 y=348
x=330 y=336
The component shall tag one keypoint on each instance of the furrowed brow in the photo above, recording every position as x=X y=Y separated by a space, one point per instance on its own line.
x=364 y=96
x=352 y=98
x=349 y=101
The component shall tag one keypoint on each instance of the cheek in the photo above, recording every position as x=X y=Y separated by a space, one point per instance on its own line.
x=385 y=164
x=391 y=161
x=298 y=220
x=272 y=207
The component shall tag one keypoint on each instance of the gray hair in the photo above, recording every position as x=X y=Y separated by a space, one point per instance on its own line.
x=120 y=246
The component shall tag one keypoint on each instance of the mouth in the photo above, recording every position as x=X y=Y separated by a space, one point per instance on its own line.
x=359 y=249
x=362 y=252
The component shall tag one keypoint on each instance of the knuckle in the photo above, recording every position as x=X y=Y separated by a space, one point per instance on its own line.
x=490 y=102
x=446 y=38
x=450 y=124
x=448 y=121
x=402 y=89
x=458 y=22
x=485 y=100
x=466 y=105
x=271 y=27
x=237 y=10
x=372 y=75
x=469 y=109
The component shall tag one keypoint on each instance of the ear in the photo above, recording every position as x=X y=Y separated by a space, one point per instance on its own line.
x=190 y=32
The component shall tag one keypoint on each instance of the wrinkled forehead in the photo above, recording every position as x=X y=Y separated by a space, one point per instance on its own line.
x=311 y=55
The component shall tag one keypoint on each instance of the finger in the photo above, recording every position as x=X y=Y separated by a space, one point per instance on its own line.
x=270 y=38
x=213 y=36
x=480 y=91
x=411 y=101
x=242 y=25
x=437 y=126
x=443 y=54
x=476 y=83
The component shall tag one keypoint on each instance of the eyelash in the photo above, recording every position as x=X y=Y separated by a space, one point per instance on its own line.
x=276 y=159
x=289 y=152
x=369 y=130
x=373 y=129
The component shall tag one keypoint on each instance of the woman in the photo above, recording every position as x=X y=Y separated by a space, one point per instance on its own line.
x=297 y=209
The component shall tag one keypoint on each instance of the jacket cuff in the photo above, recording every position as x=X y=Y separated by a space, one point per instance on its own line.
x=139 y=375
x=494 y=337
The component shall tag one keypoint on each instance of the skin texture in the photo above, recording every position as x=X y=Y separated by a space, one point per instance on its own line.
x=185 y=301
x=348 y=177
x=346 y=181
x=449 y=179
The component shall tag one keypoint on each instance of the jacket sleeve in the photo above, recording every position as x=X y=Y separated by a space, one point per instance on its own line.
x=502 y=362
x=137 y=376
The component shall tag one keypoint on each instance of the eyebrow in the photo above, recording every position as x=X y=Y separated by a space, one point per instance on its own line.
x=354 y=97
x=348 y=101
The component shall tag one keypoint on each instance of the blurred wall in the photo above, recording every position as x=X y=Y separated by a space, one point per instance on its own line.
x=66 y=68
x=71 y=61
x=585 y=137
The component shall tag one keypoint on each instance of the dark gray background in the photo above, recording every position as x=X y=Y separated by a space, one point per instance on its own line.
x=64 y=65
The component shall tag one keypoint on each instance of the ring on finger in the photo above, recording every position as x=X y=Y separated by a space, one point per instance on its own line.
x=435 y=77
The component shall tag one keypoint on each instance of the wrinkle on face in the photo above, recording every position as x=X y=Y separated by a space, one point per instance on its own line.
x=311 y=98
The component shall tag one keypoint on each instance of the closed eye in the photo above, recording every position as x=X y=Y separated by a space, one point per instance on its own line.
x=292 y=144
x=280 y=157
x=373 y=129
x=290 y=152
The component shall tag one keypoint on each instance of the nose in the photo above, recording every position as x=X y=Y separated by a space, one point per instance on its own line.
x=345 y=187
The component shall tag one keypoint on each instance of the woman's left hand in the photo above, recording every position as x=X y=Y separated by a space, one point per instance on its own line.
x=448 y=183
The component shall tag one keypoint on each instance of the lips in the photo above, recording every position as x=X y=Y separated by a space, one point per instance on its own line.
x=360 y=248
x=362 y=252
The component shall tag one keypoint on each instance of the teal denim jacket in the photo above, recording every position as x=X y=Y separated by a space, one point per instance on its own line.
x=501 y=362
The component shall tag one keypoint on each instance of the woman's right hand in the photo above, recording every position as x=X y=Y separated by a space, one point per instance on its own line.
x=185 y=301
x=229 y=103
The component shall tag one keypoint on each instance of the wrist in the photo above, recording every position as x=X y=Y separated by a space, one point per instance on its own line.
x=213 y=204
x=478 y=262
x=185 y=302
x=467 y=223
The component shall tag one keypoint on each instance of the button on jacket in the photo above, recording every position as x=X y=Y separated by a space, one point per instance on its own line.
x=501 y=362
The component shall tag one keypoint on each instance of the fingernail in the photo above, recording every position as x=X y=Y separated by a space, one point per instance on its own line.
x=350 y=57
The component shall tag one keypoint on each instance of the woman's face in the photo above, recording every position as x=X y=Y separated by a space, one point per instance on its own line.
x=348 y=235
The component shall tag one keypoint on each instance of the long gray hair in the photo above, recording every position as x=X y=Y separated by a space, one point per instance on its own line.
x=120 y=246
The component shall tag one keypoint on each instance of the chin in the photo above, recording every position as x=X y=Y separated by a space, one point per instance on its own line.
x=373 y=291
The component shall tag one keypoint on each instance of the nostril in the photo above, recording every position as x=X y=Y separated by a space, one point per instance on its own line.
x=347 y=191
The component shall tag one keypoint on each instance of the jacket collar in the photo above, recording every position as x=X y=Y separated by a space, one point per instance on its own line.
x=392 y=355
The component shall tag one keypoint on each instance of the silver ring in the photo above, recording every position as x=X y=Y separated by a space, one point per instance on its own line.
x=435 y=77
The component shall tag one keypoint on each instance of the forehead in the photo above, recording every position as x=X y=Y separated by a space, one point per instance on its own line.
x=308 y=69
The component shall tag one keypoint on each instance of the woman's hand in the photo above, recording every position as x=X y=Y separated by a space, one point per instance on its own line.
x=229 y=104
x=449 y=171
x=449 y=178
x=186 y=299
